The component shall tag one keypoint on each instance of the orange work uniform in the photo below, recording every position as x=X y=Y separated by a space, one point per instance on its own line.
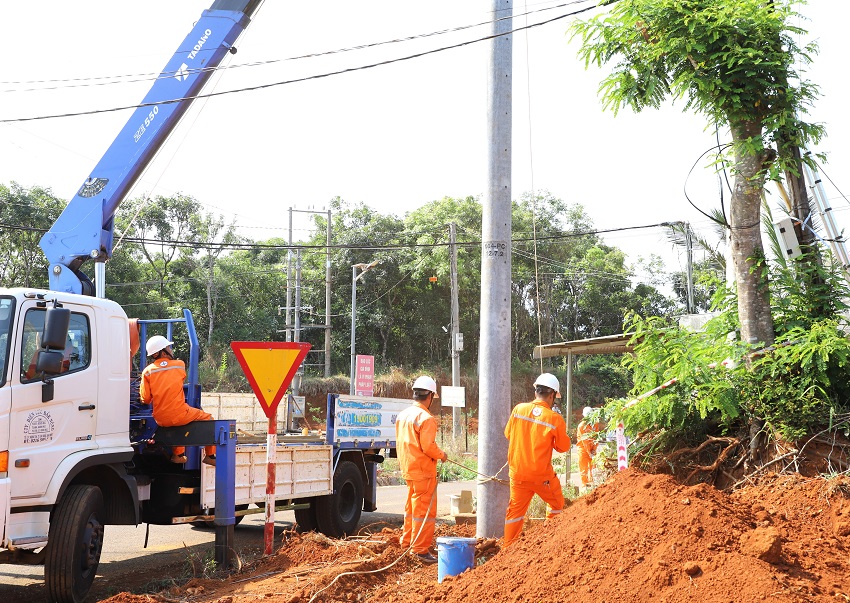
x=162 y=385
x=418 y=453
x=533 y=431
x=585 y=433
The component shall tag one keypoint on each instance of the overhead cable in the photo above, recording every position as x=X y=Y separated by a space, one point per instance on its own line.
x=301 y=79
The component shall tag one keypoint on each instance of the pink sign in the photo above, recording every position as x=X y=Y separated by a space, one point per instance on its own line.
x=364 y=378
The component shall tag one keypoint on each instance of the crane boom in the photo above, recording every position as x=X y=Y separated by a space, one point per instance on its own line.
x=84 y=229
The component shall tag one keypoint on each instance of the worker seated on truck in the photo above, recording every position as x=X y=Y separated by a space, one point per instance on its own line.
x=162 y=385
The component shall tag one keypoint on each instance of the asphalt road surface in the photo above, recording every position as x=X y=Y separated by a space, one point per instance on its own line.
x=172 y=550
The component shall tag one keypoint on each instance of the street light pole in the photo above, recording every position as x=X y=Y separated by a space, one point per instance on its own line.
x=354 y=278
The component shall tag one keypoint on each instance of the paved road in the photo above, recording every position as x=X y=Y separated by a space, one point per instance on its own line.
x=124 y=560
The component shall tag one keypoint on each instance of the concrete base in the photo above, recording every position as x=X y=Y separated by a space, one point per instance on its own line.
x=465 y=519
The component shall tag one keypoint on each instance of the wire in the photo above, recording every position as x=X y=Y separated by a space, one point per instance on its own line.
x=820 y=168
x=361 y=247
x=301 y=79
x=719 y=148
x=719 y=183
x=150 y=76
x=386 y=567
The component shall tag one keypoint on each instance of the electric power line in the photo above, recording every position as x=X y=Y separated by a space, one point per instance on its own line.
x=151 y=76
x=301 y=79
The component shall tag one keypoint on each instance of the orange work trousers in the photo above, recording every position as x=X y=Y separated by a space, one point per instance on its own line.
x=186 y=416
x=521 y=495
x=585 y=462
x=420 y=515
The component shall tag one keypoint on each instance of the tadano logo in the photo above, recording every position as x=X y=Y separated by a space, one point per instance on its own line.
x=182 y=73
x=200 y=43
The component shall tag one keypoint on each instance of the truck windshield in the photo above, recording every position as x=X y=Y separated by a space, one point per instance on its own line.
x=7 y=311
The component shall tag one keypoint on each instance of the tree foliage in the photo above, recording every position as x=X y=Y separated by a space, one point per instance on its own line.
x=170 y=254
x=732 y=61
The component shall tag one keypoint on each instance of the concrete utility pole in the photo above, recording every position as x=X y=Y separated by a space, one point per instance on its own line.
x=288 y=336
x=494 y=361
x=328 y=303
x=456 y=425
x=354 y=278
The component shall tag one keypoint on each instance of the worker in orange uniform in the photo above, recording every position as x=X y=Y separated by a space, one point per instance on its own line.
x=534 y=430
x=418 y=453
x=162 y=385
x=586 y=434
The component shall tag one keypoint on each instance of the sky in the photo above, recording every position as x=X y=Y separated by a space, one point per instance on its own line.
x=393 y=137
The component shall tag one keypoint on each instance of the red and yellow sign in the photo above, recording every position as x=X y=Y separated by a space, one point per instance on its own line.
x=270 y=367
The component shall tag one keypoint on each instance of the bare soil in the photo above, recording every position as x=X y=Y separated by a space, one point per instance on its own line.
x=637 y=538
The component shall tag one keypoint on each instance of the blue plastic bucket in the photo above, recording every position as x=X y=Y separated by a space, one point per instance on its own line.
x=454 y=556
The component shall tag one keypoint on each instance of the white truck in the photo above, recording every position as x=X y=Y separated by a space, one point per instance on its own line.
x=77 y=451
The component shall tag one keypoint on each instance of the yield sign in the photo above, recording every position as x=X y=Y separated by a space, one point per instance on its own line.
x=269 y=367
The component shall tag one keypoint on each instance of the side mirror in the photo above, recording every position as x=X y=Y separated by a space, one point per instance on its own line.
x=49 y=362
x=55 y=332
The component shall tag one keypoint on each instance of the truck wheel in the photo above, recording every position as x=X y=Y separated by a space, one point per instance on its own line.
x=74 y=542
x=305 y=519
x=337 y=514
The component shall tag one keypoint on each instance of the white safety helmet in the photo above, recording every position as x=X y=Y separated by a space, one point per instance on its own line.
x=157 y=343
x=425 y=382
x=586 y=412
x=551 y=381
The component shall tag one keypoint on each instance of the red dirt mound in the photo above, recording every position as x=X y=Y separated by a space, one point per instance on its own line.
x=643 y=538
x=637 y=538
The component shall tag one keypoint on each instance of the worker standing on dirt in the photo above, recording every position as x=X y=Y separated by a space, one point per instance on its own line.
x=162 y=385
x=586 y=436
x=418 y=453
x=534 y=430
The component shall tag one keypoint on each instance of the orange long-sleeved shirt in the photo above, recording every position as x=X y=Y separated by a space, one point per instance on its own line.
x=534 y=430
x=585 y=433
x=416 y=434
x=162 y=385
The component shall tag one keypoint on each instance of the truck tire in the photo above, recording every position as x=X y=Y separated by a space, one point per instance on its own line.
x=305 y=519
x=75 y=539
x=338 y=514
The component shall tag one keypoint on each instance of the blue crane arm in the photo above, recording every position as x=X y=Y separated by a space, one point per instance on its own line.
x=84 y=229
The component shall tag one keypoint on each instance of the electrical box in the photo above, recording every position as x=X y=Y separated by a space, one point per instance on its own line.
x=458 y=342
x=787 y=237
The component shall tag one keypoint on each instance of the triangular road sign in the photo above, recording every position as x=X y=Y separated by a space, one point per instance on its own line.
x=269 y=367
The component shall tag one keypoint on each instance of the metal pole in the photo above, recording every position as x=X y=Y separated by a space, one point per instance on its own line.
x=689 y=246
x=271 y=480
x=495 y=345
x=296 y=379
x=568 y=414
x=328 y=303
x=289 y=282
x=456 y=424
x=353 y=323
x=100 y=279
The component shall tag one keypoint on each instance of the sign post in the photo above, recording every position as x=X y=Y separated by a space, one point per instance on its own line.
x=364 y=378
x=270 y=367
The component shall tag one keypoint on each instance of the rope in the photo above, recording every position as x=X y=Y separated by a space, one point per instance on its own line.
x=386 y=567
x=488 y=478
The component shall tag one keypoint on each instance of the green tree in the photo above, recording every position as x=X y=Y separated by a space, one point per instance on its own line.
x=732 y=61
x=24 y=216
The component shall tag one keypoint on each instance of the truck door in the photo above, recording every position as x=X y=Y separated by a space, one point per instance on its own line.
x=7 y=307
x=42 y=434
